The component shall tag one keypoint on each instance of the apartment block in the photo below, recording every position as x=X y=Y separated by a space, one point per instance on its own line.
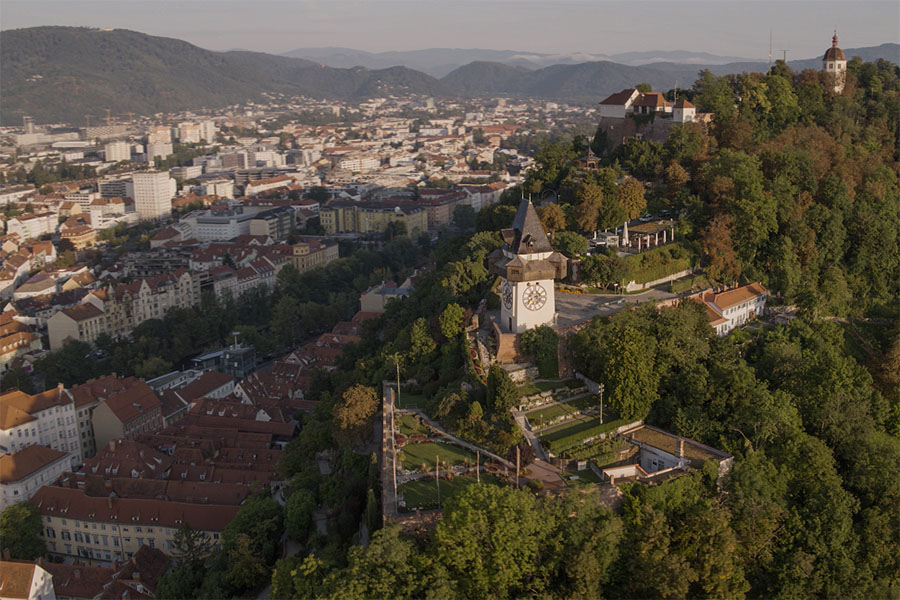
x=47 y=419
x=23 y=472
x=99 y=530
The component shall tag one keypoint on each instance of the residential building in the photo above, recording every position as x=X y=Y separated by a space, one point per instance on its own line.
x=207 y=131
x=732 y=308
x=28 y=581
x=189 y=133
x=276 y=223
x=158 y=149
x=112 y=187
x=33 y=226
x=99 y=530
x=80 y=236
x=159 y=134
x=376 y=298
x=82 y=322
x=47 y=419
x=153 y=192
x=117 y=151
x=23 y=472
x=220 y=225
x=186 y=172
x=363 y=217
x=221 y=187
x=312 y=254
x=263 y=185
x=17 y=344
x=127 y=413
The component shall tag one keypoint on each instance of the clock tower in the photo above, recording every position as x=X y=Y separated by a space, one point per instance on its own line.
x=527 y=266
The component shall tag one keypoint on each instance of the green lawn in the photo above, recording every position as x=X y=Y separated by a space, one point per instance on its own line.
x=416 y=454
x=424 y=494
x=537 y=387
x=547 y=414
x=584 y=477
x=409 y=400
x=409 y=425
x=570 y=435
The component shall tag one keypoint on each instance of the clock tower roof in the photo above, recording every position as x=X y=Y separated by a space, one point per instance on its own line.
x=527 y=235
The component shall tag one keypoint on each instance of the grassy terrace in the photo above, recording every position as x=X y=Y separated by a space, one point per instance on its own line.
x=415 y=455
x=569 y=435
x=409 y=400
x=530 y=389
x=584 y=477
x=424 y=494
x=409 y=425
x=548 y=413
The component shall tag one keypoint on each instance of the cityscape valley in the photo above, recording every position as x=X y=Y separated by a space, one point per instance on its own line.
x=480 y=327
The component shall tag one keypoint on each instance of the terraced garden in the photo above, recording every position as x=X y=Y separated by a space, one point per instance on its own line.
x=529 y=389
x=548 y=413
x=569 y=435
x=413 y=456
x=410 y=425
x=422 y=494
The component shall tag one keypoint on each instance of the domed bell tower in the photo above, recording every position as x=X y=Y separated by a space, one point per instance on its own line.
x=834 y=64
x=527 y=266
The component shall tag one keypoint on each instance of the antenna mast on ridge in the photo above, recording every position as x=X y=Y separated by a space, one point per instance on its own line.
x=770 y=46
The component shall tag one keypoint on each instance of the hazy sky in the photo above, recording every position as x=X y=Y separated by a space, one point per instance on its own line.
x=725 y=27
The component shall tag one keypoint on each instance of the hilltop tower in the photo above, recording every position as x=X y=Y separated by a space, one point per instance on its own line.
x=834 y=63
x=527 y=266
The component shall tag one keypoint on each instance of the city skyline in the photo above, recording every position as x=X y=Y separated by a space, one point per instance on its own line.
x=739 y=29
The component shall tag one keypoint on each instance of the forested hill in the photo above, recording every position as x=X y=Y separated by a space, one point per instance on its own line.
x=585 y=81
x=60 y=74
x=595 y=80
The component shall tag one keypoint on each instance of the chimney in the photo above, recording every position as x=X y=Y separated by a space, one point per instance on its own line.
x=109 y=500
x=136 y=575
x=680 y=452
x=112 y=445
x=115 y=565
x=76 y=573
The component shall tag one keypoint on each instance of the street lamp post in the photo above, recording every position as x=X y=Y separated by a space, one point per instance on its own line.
x=601 y=403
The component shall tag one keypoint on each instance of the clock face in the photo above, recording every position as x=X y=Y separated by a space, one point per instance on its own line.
x=535 y=297
x=507 y=294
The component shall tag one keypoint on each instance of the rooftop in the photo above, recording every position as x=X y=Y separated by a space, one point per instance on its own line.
x=27 y=461
x=15 y=579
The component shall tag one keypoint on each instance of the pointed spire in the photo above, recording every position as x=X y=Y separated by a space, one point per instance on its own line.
x=529 y=233
x=834 y=39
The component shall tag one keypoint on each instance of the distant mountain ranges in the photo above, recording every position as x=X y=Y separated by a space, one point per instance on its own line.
x=61 y=74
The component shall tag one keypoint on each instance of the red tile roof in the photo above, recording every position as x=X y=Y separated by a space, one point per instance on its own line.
x=74 y=504
x=206 y=384
x=619 y=98
x=15 y=579
x=134 y=401
x=27 y=461
x=78 y=581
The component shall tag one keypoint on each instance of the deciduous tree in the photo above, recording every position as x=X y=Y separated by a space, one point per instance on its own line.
x=20 y=531
x=630 y=195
